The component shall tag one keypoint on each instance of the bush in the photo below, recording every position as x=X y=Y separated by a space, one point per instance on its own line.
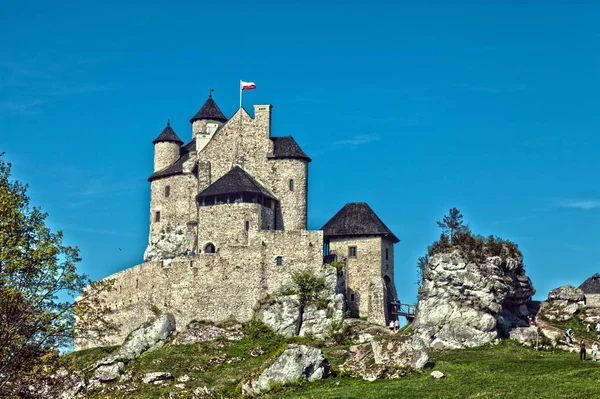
x=339 y=331
x=339 y=266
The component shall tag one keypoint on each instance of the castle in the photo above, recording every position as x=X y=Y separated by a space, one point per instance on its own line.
x=228 y=216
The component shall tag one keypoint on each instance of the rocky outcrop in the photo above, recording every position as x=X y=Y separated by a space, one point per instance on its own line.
x=281 y=312
x=198 y=332
x=170 y=243
x=566 y=293
x=463 y=304
x=388 y=356
x=147 y=337
x=563 y=303
x=296 y=362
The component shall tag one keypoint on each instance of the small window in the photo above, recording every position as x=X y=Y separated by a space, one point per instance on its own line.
x=279 y=260
x=291 y=184
x=247 y=225
x=157 y=216
x=209 y=249
x=352 y=297
x=386 y=254
x=352 y=252
x=167 y=191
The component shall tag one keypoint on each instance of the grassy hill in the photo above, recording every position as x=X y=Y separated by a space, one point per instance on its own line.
x=505 y=370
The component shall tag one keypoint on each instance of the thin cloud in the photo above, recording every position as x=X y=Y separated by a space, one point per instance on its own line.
x=359 y=139
x=585 y=205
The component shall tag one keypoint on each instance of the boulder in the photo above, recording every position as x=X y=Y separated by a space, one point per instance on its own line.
x=437 y=374
x=150 y=378
x=281 y=312
x=107 y=373
x=296 y=362
x=566 y=293
x=147 y=337
x=387 y=356
x=463 y=304
x=170 y=243
x=204 y=393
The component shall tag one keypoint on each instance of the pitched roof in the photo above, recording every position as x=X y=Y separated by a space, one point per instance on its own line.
x=286 y=147
x=237 y=180
x=168 y=134
x=591 y=285
x=176 y=168
x=210 y=110
x=357 y=219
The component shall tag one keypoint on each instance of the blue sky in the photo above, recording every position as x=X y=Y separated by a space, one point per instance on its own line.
x=413 y=108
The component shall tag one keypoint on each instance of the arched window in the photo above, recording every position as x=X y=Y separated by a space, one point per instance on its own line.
x=291 y=184
x=167 y=191
x=279 y=260
x=209 y=248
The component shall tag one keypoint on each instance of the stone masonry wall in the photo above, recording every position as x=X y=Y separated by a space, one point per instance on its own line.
x=225 y=224
x=592 y=300
x=246 y=142
x=364 y=278
x=165 y=153
x=210 y=286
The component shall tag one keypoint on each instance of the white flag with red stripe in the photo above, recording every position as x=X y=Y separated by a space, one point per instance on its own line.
x=247 y=85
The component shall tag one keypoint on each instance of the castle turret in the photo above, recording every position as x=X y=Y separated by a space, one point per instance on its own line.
x=166 y=148
x=206 y=122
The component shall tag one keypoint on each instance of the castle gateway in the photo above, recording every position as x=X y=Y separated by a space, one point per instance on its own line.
x=228 y=214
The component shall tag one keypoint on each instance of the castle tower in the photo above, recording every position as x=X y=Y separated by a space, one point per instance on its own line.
x=166 y=148
x=206 y=122
x=366 y=246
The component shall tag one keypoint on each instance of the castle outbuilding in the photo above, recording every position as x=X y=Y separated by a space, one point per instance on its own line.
x=228 y=226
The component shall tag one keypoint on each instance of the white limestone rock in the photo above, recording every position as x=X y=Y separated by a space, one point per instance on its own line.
x=463 y=304
x=151 y=378
x=296 y=362
x=108 y=373
x=384 y=356
x=147 y=337
x=566 y=293
x=197 y=332
x=437 y=374
x=170 y=243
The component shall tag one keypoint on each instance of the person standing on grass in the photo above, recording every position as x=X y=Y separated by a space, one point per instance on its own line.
x=582 y=350
x=598 y=330
x=594 y=351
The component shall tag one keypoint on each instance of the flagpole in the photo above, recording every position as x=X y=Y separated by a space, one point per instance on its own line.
x=240 y=94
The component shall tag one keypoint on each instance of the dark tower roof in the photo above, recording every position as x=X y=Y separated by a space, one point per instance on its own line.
x=591 y=285
x=236 y=181
x=168 y=134
x=357 y=219
x=210 y=110
x=286 y=148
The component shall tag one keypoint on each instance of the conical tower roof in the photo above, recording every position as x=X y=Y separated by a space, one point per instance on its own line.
x=357 y=219
x=210 y=110
x=169 y=135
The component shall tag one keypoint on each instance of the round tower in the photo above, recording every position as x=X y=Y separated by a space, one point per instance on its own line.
x=206 y=122
x=166 y=148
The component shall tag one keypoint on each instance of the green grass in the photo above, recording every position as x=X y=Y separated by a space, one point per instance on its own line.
x=86 y=358
x=505 y=371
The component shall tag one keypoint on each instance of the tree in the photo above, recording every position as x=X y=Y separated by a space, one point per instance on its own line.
x=452 y=223
x=421 y=265
x=309 y=289
x=38 y=275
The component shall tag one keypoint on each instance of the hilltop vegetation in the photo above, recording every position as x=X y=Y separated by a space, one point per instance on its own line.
x=456 y=236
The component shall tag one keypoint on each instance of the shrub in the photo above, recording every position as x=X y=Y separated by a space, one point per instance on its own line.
x=339 y=266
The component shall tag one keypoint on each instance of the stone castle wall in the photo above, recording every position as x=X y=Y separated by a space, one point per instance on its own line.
x=165 y=153
x=364 y=279
x=210 y=286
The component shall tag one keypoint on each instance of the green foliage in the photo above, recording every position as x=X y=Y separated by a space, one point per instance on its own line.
x=339 y=266
x=309 y=287
x=289 y=291
x=421 y=265
x=256 y=329
x=474 y=248
x=37 y=271
x=339 y=331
